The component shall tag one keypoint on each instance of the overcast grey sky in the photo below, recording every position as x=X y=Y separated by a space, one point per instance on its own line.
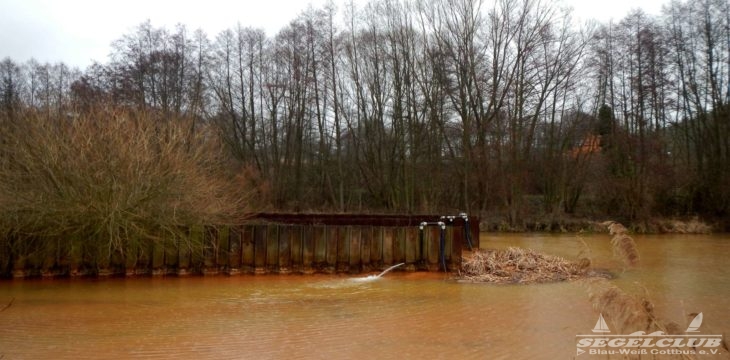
x=79 y=31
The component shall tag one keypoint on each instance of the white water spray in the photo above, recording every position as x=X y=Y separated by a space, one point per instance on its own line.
x=376 y=277
x=388 y=269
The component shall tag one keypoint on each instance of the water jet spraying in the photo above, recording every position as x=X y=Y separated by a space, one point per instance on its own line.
x=389 y=269
x=375 y=277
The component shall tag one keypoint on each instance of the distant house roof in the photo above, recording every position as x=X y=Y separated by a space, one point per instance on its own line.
x=588 y=145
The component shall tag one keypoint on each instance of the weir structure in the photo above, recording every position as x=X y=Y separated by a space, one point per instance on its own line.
x=275 y=243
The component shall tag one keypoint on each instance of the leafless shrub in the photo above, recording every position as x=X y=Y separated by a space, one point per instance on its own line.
x=111 y=178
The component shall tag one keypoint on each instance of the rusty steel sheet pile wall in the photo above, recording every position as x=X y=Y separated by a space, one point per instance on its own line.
x=269 y=243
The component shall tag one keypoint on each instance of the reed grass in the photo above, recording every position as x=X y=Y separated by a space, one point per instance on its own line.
x=111 y=180
x=623 y=245
x=9 y=304
x=627 y=313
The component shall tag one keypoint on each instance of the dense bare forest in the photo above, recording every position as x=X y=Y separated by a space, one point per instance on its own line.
x=508 y=109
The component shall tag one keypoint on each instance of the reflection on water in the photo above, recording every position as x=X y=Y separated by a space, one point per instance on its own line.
x=401 y=315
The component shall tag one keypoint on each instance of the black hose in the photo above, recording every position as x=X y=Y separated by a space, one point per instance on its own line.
x=467 y=231
x=442 y=248
x=420 y=241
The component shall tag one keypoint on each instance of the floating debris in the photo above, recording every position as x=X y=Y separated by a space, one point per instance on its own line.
x=524 y=266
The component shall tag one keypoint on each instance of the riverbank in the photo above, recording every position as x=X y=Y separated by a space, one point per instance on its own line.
x=582 y=225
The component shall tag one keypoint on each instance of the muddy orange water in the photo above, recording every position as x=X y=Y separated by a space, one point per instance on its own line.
x=400 y=316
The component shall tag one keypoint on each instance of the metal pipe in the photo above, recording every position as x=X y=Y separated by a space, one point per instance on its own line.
x=467 y=229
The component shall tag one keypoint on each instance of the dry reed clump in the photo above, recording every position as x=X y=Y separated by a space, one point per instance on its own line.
x=110 y=180
x=625 y=313
x=624 y=246
x=516 y=265
x=615 y=228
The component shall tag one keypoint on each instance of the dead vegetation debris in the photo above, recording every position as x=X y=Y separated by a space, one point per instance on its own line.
x=518 y=265
x=525 y=266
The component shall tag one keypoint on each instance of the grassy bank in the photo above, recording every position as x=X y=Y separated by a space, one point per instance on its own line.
x=565 y=224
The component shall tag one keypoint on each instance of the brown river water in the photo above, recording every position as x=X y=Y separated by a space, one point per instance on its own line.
x=399 y=316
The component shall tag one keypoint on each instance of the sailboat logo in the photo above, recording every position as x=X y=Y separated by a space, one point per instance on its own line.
x=601 y=326
x=695 y=324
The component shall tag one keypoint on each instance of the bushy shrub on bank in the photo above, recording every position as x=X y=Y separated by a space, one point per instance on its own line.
x=112 y=180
